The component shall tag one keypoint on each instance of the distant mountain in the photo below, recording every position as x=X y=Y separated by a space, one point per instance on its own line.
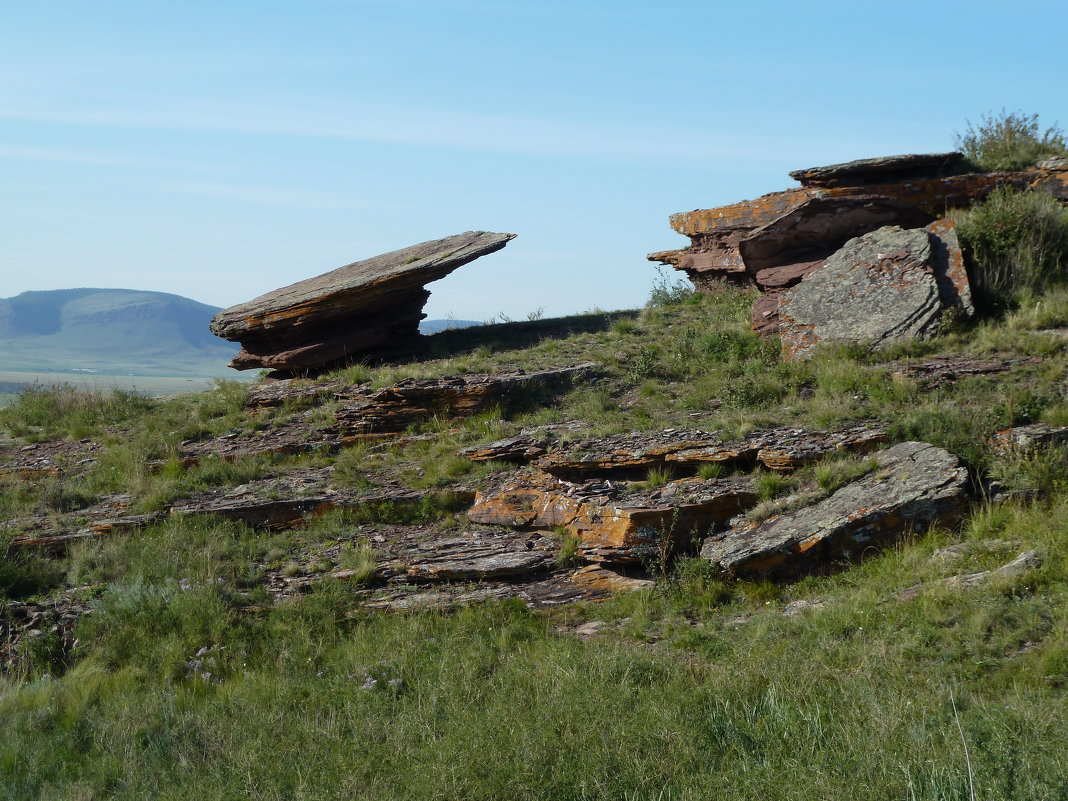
x=434 y=326
x=110 y=332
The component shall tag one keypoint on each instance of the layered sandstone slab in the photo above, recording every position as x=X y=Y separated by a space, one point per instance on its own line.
x=614 y=523
x=774 y=240
x=914 y=486
x=633 y=455
x=881 y=170
x=370 y=308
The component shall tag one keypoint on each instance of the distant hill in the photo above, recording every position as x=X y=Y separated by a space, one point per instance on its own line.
x=110 y=332
x=434 y=326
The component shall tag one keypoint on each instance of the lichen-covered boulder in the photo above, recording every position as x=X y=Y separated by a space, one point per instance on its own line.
x=879 y=288
x=914 y=486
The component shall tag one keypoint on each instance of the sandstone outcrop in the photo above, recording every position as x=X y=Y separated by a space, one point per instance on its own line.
x=1022 y=440
x=773 y=241
x=915 y=486
x=393 y=409
x=368 y=309
x=633 y=455
x=612 y=522
x=886 y=286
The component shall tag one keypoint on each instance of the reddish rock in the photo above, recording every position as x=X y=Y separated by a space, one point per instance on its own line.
x=1026 y=439
x=367 y=309
x=794 y=230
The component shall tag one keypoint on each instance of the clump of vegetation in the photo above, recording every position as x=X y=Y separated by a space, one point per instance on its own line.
x=67 y=411
x=1010 y=141
x=1014 y=241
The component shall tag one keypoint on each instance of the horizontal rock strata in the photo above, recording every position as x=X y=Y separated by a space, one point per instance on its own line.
x=633 y=455
x=612 y=523
x=1022 y=440
x=394 y=408
x=370 y=308
x=915 y=486
x=773 y=241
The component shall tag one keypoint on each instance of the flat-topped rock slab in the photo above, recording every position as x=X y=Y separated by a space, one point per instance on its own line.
x=364 y=309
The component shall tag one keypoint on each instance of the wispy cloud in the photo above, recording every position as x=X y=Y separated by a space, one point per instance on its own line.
x=273 y=196
x=29 y=153
x=617 y=140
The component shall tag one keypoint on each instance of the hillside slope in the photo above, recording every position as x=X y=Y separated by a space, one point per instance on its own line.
x=111 y=332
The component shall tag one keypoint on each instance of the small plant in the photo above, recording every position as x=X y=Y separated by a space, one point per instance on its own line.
x=770 y=485
x=668 y=291
x=710 y=470
x=360 y=559
x=833 y=474
x=658 y=477
x=567 y=554
x=1010 y=141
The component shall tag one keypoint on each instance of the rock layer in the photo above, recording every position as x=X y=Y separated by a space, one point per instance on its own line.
x=915 y=486
x=369 y=308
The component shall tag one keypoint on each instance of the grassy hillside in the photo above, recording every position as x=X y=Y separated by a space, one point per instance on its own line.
x=114 y=332
x=190 y=679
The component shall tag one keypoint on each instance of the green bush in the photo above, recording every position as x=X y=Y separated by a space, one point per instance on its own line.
x=1010 y=141
x=1014 y=241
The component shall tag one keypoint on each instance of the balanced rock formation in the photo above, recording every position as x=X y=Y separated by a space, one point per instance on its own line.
x=914 y=486
x=882 y=287
x=370 y=308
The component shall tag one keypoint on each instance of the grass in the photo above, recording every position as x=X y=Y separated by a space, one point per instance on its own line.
x=1010 y=141
x=190 y=680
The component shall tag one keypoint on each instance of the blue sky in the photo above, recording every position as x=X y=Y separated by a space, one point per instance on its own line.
x=221 y=149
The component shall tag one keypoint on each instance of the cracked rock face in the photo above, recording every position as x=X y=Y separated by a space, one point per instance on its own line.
x=368 y=308
x=916 y=485
x=879 y=288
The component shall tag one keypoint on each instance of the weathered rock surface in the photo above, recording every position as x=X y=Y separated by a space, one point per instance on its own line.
x=915 y=486
x=1021 y=565
x=614 y=524
x=939 y=371
x=633 y=455
x=46 y=459
x=287 y=501
x=1022 y=440
x=394 y=408
x=774 y=240
x=370 y=308
x=886 y=169
x=54 y=533
x=271 y=394
x=879 y=288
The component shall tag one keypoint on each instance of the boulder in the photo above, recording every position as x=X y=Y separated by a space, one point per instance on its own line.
x=368 y=309
x=915 y=486
x=883 y=287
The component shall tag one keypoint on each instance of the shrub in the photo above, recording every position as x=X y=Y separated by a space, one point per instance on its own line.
x=669 y=292
x=1010 y=141
x=1014 y=241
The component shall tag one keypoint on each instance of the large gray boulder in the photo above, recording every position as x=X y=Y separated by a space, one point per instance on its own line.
x=914 y=486
x=883 y=287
